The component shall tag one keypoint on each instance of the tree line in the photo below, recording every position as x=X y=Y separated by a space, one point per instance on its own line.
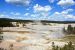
x=6 y=24
x=70 y=30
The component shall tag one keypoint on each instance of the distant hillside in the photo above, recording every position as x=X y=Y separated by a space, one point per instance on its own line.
x=43 y=21
x=5 y=23
x=14 y=20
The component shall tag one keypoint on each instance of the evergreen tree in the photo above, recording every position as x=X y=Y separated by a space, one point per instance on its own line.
x=69 y=29
x=73 y=30
x=1 y=37
x=53 y=46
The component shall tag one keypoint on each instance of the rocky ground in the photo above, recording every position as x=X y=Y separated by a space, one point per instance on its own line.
x=27 y=39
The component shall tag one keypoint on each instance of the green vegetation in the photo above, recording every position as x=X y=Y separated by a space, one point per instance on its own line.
x=5 y=24
x=1 y=37
x=69 y=46
x=70 y=29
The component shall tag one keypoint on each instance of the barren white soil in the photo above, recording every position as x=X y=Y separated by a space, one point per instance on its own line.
x=33 y=37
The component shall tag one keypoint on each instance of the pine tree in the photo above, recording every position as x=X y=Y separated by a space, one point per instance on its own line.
x=53 y=46
x=69 y=29
x=1 y=37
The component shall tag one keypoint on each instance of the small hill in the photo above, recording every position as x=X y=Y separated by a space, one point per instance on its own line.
x=44 y=21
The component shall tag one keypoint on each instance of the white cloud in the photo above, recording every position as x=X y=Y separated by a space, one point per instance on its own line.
x=64 y=15
x=67 y=11
x=57 y=13
x=24 y=2
x=39 y=16
x=70 y=16
x=34 y=15
x=26 y=14
x=65 y=3
x=27 y=9
x=4 y=16
x=52 y=1
x=16 y=14
x=40 y=12
x=39 y=8
x=64 y=12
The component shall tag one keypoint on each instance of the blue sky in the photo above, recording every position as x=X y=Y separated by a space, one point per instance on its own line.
x=56 y=10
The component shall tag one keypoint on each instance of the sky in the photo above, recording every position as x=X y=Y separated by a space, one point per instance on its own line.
x=53 y=10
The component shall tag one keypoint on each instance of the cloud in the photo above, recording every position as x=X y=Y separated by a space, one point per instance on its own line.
x=37 y=16
x=52 y=1
x=65 y=3
x=19 y=2
x=67 y=11
x=4 y=16
x=40 y=12
x=15 y=14
x=70 y=16
x=39 y=8
x=64 y=11
x=64 y=15
x=26 y=14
